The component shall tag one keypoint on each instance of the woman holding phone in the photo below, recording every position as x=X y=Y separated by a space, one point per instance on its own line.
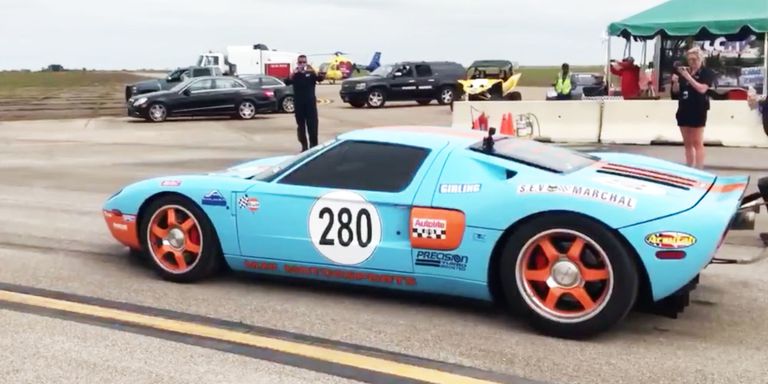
x=690 y=86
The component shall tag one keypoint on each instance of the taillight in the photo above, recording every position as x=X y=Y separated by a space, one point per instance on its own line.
x=670 y=255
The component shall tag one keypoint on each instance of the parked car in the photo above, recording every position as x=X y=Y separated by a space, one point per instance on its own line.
x=420 y=81
x=584 y=85
x=204 y=96
x=174 y=78
x=283 y=93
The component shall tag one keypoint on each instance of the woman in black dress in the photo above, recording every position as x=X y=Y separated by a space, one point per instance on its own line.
x=690 y=89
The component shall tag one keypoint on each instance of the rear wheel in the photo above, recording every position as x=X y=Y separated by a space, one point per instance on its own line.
x=179 y=240
x=246 y=110
x=569 y=275
x=287 y=105
x=447 y=95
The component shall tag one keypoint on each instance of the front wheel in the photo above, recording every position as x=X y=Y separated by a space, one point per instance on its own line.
x=157 y=113
x=179 y=240
x=376 y=98
x=570 y=275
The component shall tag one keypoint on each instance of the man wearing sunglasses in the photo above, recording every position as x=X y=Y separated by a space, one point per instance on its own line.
x=304 y=79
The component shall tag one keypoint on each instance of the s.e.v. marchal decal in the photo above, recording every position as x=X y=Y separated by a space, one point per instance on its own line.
x=579 y=191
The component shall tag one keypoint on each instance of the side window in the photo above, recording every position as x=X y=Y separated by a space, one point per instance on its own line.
x=270 y=82
x=362 y=166
x=201 y=85
x=227 y=84
x=423 y=71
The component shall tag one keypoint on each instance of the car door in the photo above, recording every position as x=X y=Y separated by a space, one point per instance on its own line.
x=403 y=84
x=227 y=95
x=194 y=99
x=347 y=207
x=425 y=82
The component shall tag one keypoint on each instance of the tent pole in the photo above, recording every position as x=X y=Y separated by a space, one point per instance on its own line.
x=765 y=66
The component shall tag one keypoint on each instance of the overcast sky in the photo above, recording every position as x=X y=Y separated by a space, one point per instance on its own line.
x=109 y=34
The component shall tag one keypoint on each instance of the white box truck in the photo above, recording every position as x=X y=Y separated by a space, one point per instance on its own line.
x=255 y=59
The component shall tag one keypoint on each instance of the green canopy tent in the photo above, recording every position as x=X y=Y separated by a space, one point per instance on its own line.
x=698 y=19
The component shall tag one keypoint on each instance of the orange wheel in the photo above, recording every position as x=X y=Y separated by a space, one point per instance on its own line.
x=565 y=275
x=571 y=275
x=174 y=239
x=179 y=239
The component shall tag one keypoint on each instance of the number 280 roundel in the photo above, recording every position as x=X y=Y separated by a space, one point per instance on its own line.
x=344 y=227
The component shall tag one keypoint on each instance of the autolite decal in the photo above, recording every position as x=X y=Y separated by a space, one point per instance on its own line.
x=670 y=240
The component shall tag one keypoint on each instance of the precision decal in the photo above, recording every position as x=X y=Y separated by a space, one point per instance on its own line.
x=578 y=191
x=442 y=260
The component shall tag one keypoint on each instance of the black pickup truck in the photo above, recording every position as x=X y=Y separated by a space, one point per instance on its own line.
x=420 y=81
x=173 y=78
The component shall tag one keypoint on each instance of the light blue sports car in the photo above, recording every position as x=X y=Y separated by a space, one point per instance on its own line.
x=571 y=240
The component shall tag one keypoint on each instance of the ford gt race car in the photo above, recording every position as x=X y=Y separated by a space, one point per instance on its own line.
x=571 y=240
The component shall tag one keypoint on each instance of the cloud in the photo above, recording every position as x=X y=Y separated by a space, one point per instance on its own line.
x=108 y=34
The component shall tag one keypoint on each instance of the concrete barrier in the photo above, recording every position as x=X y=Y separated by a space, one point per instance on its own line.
x=556 y=121
x=729 y=123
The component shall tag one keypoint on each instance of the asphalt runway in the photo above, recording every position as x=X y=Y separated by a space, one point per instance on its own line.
x=55 y=175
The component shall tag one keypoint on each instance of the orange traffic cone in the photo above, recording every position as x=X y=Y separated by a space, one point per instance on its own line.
x=481 y=123
x=506 y=125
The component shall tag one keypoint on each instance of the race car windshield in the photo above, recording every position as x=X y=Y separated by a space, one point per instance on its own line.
x=277 y=170
x=539 y=155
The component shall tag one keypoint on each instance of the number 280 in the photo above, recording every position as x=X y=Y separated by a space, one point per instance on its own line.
x=345 y=235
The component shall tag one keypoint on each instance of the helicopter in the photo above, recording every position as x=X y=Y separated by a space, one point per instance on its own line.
x=340 y=68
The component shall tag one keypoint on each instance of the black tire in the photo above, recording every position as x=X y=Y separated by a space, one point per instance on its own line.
x=446 y=95
x=246 y=110
x=160 y=116
x=208 y=260
x=529 y=299
x=377 y=98
x=287 y=104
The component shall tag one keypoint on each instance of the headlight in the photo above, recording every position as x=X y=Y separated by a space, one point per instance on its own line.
x=360 y=86
x=140 y=101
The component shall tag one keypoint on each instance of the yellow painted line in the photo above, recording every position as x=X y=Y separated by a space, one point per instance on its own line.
x=294 y=348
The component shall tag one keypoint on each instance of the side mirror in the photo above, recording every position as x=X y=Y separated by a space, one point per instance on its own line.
x=187 y=92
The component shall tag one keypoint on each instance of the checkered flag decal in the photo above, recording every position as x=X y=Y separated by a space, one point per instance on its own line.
x=428 y=233
x=242 y=202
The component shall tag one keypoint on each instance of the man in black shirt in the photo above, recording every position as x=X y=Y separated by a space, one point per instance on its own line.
x=304 y=79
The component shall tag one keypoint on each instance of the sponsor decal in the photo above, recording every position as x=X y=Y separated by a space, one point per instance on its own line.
x=459 y=188
x=250 y=203
x=429 y=228
x=580 y=191
x=121 y=227
x=332 y=273
x=631 y=185
x=129 y=218
x=442 y=260
x=214 y=198
x=670 y=240
x=170 y=183
x=344 y=227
